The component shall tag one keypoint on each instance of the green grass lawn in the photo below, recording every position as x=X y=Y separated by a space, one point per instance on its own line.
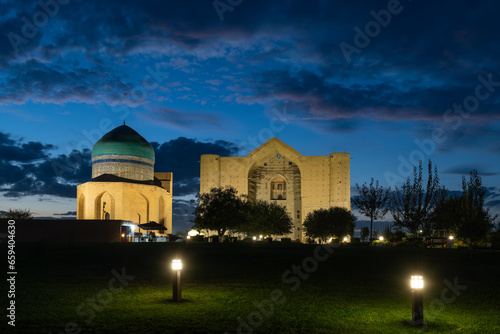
x=251 y=288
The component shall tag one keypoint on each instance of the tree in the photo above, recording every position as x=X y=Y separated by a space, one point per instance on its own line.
x=266 y=218
x=387 y=233
x=412 y=206
x=373 y=202
x=365 y=232
x=475 y=221
x=18 y=214
x=331 y=222
x=221 y=209
x=447 y=212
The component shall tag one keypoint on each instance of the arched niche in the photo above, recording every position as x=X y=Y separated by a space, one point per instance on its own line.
x=104 y=206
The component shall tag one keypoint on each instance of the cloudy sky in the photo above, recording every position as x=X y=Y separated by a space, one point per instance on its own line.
x=389 y=82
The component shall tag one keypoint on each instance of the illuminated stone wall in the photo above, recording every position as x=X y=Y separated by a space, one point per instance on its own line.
x=134 y=202
x=312 y=182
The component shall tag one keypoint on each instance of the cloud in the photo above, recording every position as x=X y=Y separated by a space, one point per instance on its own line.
x=30 y=169
x=184 y=120
x=182 y=155
x=182 y=215
x=284 y=51
x=215 y=82
x=465 y=170
x=51 y=83
x=69 y=213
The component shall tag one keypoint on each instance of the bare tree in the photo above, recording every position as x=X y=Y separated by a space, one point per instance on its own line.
x=475 y=221
x=373 y=201
x=413 y=206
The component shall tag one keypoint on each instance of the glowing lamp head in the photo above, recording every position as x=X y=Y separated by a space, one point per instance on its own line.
x=450 y=237
x=417 y=282
x=381 y=238
x=345 y=239
x=254 y=238
x=176 y=264
x=123 y=235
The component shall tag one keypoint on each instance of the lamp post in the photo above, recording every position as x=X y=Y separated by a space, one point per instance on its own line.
x=417 y=306
x=176 y=280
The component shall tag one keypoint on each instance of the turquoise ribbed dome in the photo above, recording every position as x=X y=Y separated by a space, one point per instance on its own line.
x=123 y=140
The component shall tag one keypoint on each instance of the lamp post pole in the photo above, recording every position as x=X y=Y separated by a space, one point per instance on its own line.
x=417 y=306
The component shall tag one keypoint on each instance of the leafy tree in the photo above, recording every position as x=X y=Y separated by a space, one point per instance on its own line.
x=387 y=233
x=365 y=232
x=475 y=221
x=447 y=212
x=266 y=218
x=221 y=209
x=373 y=202
x=413 y=205
x=18 y=214
x=331 y=222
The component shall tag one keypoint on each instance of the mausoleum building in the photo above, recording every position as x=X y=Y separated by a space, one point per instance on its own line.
x=277 y=172
x=124 y=185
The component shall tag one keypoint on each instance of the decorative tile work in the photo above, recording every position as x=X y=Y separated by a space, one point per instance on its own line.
x=126 y=166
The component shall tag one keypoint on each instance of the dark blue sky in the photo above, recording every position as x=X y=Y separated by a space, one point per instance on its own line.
x=390 y=82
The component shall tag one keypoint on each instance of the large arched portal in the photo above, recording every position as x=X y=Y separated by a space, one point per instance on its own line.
x=277 y=179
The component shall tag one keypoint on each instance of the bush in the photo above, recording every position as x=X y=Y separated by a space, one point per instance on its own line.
x=355 y=240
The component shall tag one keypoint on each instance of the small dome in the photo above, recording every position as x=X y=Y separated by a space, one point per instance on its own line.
x=123 y=140
x=124 y=153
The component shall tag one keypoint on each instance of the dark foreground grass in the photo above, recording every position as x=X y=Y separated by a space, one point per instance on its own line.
x=251 y=288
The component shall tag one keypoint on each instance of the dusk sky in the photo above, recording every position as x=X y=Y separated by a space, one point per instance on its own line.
x=388 y=82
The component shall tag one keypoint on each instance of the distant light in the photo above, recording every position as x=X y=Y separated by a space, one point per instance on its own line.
x=330 y=240
x=345 y=239
x=254 y=238
x=381 y=238
x=260 y=236
x=123 y=235
x=417 y=282
x=176 y=264
x=193 y=233
x=450 y=237
x=421 y=231
x=188 y=237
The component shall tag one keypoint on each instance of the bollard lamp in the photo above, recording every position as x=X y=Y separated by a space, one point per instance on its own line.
x=417 y=307
x=176 y=280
